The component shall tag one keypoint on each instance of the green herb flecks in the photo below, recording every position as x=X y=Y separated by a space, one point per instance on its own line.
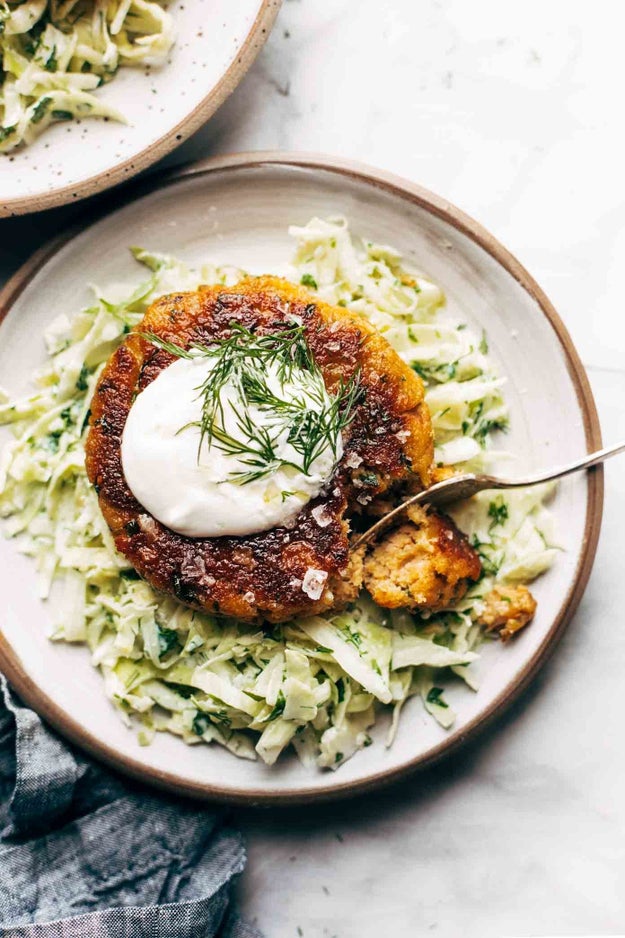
x=485 y=427
x=40 y=110
x=431 y=373
x=278 y=709
x=307 y=280
x=487 y=554
x=201 y=723
x=82 y=382
x=480 y=425
x=51 y=63
x=351 y=636
x=168 y=640
x=498 y=511
x=435 y=697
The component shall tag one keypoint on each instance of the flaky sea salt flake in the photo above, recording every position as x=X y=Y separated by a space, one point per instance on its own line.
x=321 y=516
x=313 y=582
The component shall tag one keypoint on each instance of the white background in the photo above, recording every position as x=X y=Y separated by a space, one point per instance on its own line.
x=515 y=113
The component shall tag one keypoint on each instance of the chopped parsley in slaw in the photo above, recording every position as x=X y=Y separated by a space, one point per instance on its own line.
x=55 y=53
x=319 y=683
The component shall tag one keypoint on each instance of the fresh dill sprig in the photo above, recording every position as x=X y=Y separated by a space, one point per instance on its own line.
x=313 y=420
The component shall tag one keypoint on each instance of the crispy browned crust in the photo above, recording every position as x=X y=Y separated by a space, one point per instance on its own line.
x=507 y=610
x=260 y=576
x=424 y=564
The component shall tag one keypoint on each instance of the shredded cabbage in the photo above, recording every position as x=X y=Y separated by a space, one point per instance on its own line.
x=316 y=683
x=55 y=53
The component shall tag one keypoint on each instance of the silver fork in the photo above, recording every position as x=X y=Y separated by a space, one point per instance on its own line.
x=468 y=484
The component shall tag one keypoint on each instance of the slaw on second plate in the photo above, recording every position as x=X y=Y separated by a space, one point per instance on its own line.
x=56 y=53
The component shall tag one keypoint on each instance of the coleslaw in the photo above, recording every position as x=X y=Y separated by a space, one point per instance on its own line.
x=56 y=53
x=317 y=684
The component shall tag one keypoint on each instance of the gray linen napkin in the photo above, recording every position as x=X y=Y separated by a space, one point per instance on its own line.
x=84 y=854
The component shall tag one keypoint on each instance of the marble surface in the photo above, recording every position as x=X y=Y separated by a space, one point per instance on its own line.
x=509 y=111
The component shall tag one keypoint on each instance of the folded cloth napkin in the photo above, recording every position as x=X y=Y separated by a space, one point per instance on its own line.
x=85 y=854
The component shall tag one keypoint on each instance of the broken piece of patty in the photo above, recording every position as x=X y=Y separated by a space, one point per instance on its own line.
x=387 y=445
x=507 y=610
x=425 y=563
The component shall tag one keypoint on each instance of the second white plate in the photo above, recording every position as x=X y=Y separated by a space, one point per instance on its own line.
x=217 y=41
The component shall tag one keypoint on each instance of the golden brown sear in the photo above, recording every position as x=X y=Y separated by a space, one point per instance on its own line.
x=387 y=445
x=424 y=564
x=507 y=610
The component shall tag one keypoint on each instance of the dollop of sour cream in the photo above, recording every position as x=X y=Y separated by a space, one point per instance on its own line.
x=191 y=488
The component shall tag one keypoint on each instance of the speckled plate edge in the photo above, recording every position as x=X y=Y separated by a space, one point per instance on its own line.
x=70 y=728
x=126 y=169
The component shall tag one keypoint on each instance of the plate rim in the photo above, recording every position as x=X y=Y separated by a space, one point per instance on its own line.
x=54 y=714
x=122 y=171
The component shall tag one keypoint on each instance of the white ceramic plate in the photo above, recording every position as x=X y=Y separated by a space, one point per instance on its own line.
x=217 y=41
x=238 y=210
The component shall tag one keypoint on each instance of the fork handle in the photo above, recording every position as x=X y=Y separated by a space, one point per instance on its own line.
x=586 y=462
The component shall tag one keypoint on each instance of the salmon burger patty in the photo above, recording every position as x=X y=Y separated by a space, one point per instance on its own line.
x=387 y=446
